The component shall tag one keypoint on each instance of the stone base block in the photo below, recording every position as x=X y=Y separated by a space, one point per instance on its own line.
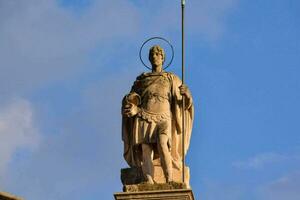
x=159 y=176
x=183 y=194
x=131 y=176
x=153 y=187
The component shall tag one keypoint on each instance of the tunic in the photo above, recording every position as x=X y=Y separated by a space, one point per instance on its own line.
x=154 y=117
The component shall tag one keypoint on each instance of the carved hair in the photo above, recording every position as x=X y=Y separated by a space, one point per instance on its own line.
x=159 y=49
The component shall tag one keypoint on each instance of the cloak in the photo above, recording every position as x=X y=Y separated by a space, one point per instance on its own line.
x=132 y=151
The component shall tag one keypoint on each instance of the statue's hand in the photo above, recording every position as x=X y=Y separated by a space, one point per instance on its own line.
x=184 y=90
x=130 y=110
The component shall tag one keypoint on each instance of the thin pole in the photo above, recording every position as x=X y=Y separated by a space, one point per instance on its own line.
x=183 y=97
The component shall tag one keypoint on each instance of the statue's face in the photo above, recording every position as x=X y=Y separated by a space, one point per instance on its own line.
x=156 y=58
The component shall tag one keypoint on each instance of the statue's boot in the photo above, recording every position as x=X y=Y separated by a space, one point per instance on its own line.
x=149 y=179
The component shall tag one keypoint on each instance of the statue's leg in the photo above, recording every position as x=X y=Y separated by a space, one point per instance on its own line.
x=147 y=166
x=165 y=156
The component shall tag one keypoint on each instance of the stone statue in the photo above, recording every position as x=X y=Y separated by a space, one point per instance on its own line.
x=152 y=120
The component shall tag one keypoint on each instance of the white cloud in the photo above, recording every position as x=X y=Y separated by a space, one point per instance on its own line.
x=284 y=188
x=42 y=42
x=262 y=160
x=17 y=130
x=86 y=153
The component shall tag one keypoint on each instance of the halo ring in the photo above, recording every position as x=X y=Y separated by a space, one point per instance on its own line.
x=156 y=38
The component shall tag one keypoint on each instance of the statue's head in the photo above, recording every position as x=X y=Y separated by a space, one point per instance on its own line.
x=156 y=55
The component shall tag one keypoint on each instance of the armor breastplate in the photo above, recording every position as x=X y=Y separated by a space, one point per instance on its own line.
x=155 y=92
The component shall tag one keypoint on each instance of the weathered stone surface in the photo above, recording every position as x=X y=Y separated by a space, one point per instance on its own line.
x=179 y=194
x=6 y=196
x=134 y=175
x=153 y=187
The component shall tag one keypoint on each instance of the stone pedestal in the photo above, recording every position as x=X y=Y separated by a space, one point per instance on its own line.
x=135 y=187
x=131 y=176
x=177 y=194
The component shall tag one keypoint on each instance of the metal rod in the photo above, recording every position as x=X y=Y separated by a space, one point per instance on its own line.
x=183 y=97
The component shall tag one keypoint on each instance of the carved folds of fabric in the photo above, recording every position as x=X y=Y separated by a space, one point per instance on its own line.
x=154 y=117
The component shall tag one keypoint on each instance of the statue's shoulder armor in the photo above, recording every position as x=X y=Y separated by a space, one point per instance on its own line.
x=171 y=75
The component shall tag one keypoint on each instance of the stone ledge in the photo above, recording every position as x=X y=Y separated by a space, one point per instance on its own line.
x=7 y=196
x=180 y=194
x=154 y=187
x=134 y=175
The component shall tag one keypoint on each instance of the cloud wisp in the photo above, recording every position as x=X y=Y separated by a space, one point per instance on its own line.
x=18 y=130
x=263 y=160
x=86 y=153
x=42 y=42
x=284 y=188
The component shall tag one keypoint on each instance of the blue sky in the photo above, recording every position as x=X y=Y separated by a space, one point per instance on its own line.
x=65 y=65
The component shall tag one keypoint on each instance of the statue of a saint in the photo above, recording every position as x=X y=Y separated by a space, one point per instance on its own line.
x=152 y=119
